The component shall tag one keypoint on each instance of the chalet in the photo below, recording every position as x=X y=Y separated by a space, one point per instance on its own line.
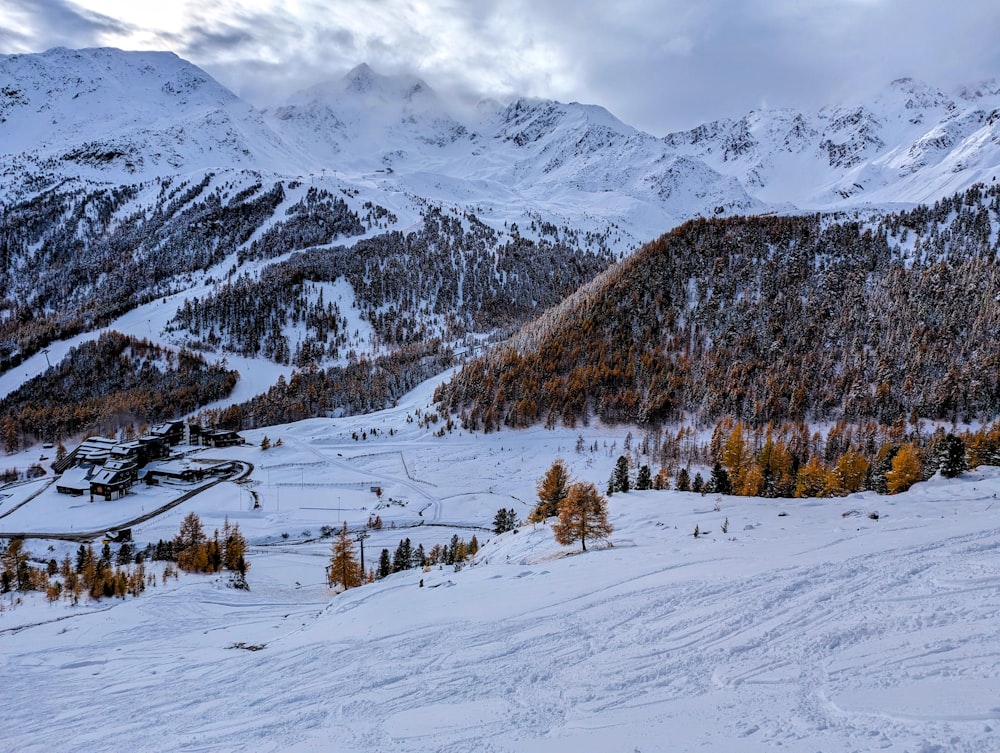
x=175 y=471
x=170 y=432
x=142 y=450
x=115 y=478
x=185 y=471
x=220 y=438
x=94 y=450
x=76 y=481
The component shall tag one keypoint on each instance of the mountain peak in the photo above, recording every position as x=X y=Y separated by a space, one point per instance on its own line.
x=360 y=78
x=916 y=94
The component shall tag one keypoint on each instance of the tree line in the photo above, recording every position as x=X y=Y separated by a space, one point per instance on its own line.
x=344 y=570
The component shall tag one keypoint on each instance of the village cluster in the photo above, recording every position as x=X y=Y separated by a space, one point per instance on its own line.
x=108 y=468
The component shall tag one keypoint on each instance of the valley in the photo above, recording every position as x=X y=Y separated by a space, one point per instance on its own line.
x=769 y=341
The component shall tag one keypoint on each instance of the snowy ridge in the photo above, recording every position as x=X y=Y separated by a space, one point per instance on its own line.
x=108 y=115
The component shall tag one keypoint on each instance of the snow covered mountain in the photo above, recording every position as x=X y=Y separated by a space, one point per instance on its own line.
x=111 y=116
x=913 y=143
x=107 y=115
x=134 y=180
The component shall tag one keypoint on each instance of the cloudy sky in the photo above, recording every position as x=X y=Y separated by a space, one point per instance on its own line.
x=660 y=65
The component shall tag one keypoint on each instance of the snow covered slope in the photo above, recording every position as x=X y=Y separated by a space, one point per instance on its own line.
x=809 y=626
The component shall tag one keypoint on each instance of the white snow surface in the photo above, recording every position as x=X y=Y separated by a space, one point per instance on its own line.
x=808 y=627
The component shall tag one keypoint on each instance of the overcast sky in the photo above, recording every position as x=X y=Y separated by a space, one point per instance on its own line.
x=660 y=65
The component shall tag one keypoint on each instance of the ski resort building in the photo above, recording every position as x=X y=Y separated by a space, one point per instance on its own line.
x=220 y=438
x=114 y=479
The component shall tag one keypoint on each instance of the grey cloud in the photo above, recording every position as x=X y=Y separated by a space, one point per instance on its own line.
x=62 y=22
x=658 y=64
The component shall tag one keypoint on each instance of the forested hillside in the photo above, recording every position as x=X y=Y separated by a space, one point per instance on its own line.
x=450 y=277
x=105 y=384
x=71 y=261
x=766 y=319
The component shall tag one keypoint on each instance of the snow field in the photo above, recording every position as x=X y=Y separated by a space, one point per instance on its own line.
x=808 y=627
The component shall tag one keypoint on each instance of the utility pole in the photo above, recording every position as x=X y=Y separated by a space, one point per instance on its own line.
x=360 y=537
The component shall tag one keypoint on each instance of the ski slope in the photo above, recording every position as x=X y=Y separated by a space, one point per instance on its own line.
x=809 y=626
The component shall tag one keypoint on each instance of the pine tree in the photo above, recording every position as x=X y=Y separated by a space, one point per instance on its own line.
x=644 y=480
x=384 y=564
x=719 y=482
x=811 y=480
x=876 y=478
x=851 y=470
x=952 y=454
x=124 y=556
x=190 y=545
x=83 y=554
x=402 y=556
x=551 y=490
x=698 y=485
x=684 y=480
x=582 y=515
x=506 y=520
x=620 y=478
x=344 y=568
x=906 y=470
x=234 y=548
x=14 y=563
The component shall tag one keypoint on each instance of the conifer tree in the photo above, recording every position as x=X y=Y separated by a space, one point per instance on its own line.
x=644 y=480
x=551 y=490
x=905 y=472
x=698 y=485
x=384 y=564
x=190 y=545
x=234 y=547
x=683 y=480
x=851 y=470
x=344 y=568
x=506 y=520
x=582 y=515
x=620 y=478
x=952 y=453
x=719 y=481
x=15 y=571
x=402 y=556
x=811 y=479
x=876 y=479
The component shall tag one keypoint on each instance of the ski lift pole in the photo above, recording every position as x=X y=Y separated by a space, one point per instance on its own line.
x=360 y=537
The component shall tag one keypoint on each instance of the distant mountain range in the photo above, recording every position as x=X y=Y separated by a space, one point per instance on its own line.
x=109 y=116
